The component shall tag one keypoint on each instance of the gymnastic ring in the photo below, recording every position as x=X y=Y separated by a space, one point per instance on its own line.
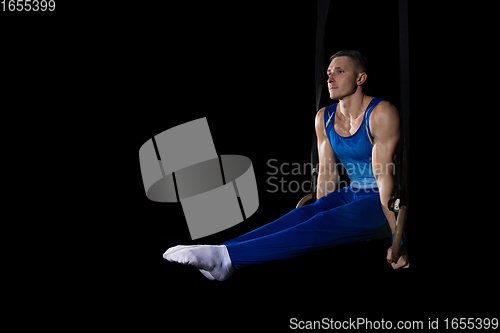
x=391 y=203
x=398 y=234
x=305 y=199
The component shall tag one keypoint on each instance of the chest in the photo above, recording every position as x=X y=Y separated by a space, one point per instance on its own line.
x=349 y=139
x=345 y=126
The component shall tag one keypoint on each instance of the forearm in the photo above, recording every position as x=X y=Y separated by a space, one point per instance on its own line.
x=386 y=185
x=326 y=184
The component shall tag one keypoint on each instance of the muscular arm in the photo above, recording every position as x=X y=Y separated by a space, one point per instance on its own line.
x=328 y=175
x=384 y=125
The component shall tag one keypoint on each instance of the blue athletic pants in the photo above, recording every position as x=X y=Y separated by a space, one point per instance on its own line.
x=343 y=216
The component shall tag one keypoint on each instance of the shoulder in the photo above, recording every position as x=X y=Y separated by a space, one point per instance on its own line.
x=320 y=117
x=385 y=114
x=384 y=119
x=320 y=121
x=320 y=114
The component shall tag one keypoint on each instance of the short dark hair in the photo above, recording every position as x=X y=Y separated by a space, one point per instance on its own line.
x=359 y=59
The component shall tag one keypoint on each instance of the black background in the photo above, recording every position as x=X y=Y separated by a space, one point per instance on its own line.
x=105 y=80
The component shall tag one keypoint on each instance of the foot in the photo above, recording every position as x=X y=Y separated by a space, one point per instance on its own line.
x=213 y=261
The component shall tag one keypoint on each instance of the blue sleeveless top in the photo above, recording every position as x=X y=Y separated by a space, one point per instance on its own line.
x=354 y=151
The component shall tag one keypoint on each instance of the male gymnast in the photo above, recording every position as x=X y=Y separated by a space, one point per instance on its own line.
x=362 y=132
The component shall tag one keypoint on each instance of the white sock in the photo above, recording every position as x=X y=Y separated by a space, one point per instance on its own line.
x=182 y=247
x=207 y=274
x=213 y=261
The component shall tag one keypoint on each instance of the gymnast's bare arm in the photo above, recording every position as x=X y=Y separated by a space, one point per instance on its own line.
x=328 y=175
x=384 y=126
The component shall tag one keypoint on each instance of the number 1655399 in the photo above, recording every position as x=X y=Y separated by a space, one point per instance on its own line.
x=28 y=5
x=471 y=323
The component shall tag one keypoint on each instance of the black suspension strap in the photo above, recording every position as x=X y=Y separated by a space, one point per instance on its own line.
x=320 y=70
x=402 y=187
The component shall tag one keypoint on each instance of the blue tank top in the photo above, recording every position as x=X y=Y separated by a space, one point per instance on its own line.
x=354 y=151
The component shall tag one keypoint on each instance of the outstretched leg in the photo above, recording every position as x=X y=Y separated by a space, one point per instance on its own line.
x=297 y=216
x=340 y=217
x=361 y=219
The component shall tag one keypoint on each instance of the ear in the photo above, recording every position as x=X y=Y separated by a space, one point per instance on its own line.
x=361 y=78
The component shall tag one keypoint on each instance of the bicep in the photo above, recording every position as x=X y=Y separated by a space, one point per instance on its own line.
x=386 y=135
x=327 y=159
x=327 y=175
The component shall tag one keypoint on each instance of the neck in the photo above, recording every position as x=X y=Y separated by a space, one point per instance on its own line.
x=352 y=106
